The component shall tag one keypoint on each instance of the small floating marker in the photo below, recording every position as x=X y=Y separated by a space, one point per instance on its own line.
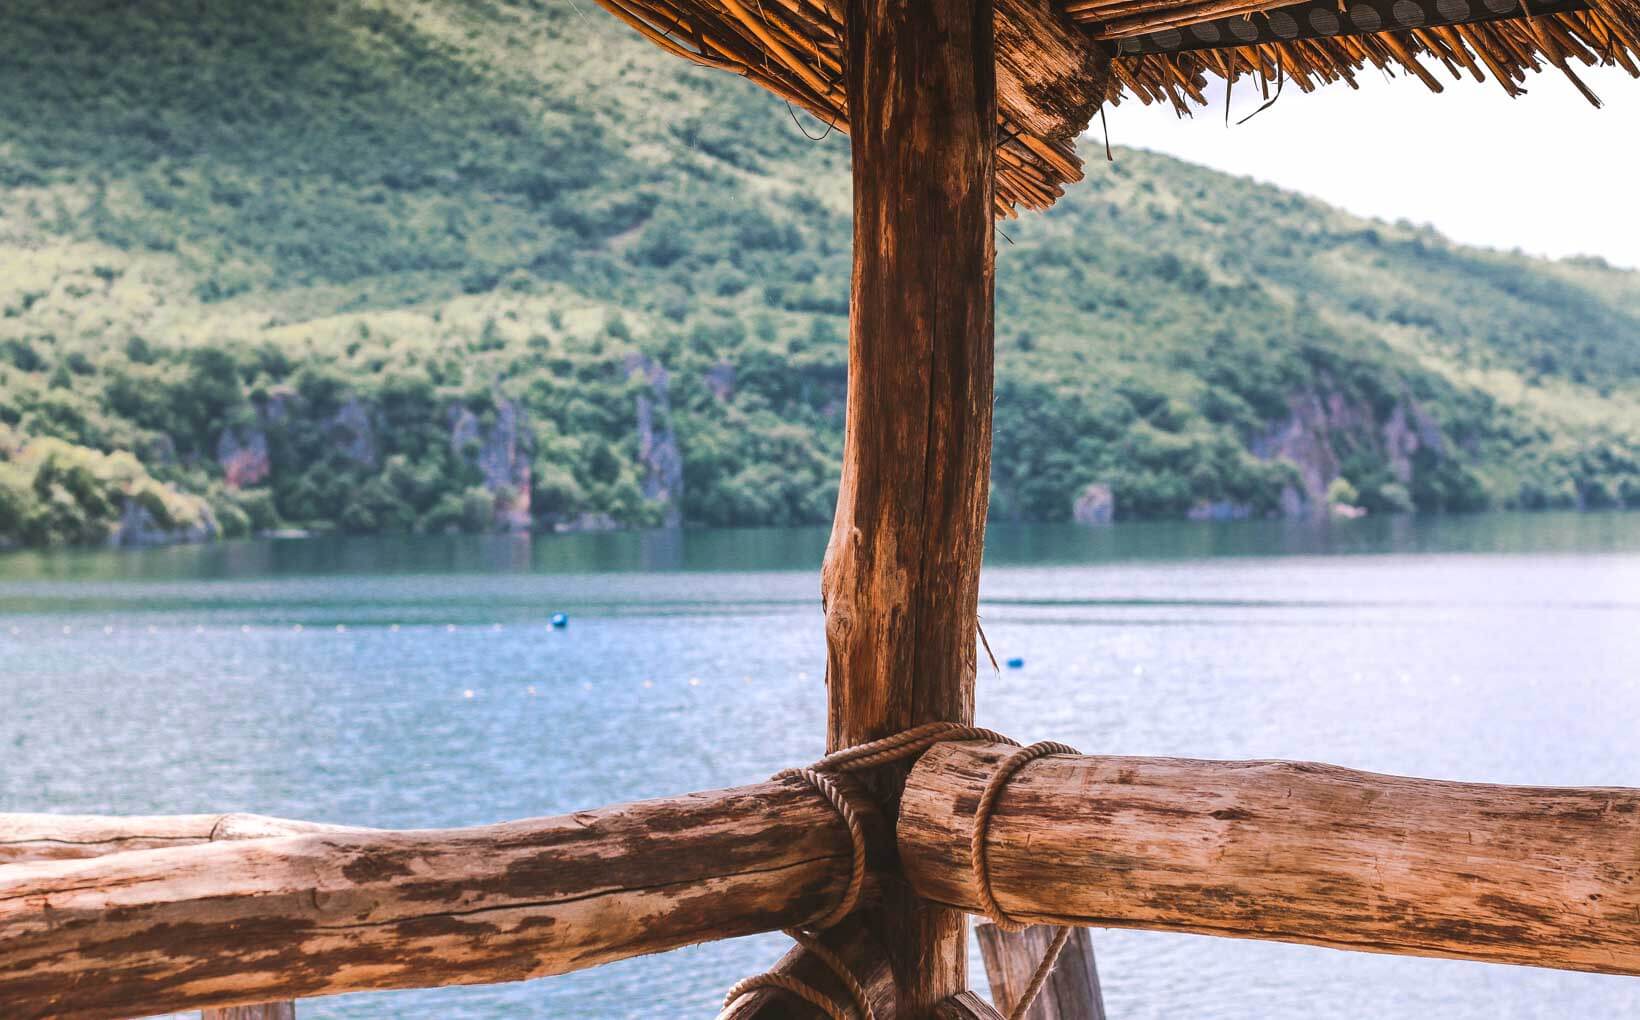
x=1016 y=663
x=531 y=689
x=68 y=628
x=647 y=684
x=244 y=628
x=153 y=629
x=468 y=693
x=394 y=628
x=341 y=628
x=107 y=629
x=495 y=626
x=449 y=628
x=586 y=685
x=297 y=628
x=694 y=681
x=199 y=628
x=558 y=620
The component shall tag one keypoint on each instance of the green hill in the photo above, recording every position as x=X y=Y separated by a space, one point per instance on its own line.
x=395 y=266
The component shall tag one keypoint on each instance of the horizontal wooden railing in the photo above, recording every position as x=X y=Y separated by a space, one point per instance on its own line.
x=1289 y=851
x=220 y=910
x=287 y=917
x=28 y=838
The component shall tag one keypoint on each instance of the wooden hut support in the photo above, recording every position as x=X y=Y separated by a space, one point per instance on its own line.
x=966 y=1006
x=901 y=576
x=1011 y=958
x=1289 y=851
x=262 y=1011
x=854 y=947
x=259 y=920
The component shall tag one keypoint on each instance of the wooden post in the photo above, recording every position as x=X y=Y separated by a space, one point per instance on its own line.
x=857 y=950
x=965 y=1006
x=1011 y=958
x=265 y=1011
x=901 y=577
x=1289 y=851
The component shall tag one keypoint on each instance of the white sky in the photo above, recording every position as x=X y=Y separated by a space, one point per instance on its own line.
x=1546 y=173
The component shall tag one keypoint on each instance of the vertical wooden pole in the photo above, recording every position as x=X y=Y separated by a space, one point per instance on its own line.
x=901 y=576
x=261 y=1011
x=1011 y=958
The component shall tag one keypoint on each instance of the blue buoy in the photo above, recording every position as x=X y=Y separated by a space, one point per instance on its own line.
x=559 y=620
x=1016 y=663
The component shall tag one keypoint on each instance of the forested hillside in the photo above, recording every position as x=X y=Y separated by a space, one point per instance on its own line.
x=466 y=264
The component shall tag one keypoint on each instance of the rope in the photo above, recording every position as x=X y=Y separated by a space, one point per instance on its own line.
x=897 y=747
x=978 y=855
x=979 y=859
x=839 y=801
x=807 y=992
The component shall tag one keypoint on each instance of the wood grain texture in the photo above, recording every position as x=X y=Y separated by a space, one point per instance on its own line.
x=261 y=1011
x=966 y=1006
x=1051 y=76
x=901 y=576
x=859 y=952
x=1290 y=851
x=47 y=837
x=1011 y=959
x=229 y=923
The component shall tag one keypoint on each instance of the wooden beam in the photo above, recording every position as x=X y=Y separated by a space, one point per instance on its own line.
x=901 y=576
x=855 y=948
x=1011 y=959
x=1051 y=75
x=230 y=923
x=46 y=837
x=1290 y=851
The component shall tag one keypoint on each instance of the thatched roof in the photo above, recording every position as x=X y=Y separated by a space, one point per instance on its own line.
x=1055 y=66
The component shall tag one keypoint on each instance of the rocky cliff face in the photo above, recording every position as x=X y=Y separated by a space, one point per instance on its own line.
x=657 y=444
x=242 y=453
x=502 y=452
x=1324 y=425
x=137 y=527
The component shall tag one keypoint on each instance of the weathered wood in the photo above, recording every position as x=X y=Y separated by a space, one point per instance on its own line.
x=261 y=1011
x=901 y=576
x=857 y=950
x=1051 y=75
x=228 y=923
x=965 y=1006
x=47 y=837
x=1290 y=851
x=1011 y=959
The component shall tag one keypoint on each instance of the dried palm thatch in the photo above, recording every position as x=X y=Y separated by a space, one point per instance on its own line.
x=1058 y=60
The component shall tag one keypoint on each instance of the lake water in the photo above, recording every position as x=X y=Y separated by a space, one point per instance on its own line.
x=414 y=682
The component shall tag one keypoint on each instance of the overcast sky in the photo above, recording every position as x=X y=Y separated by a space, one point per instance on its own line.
x=1546 y=173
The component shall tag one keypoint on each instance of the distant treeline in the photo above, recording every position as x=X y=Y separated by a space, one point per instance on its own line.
x=317 y=264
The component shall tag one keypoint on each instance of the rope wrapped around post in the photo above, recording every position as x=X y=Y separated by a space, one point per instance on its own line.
x=898 y=747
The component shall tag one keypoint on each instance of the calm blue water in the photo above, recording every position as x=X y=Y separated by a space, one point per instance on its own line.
x=413 y=682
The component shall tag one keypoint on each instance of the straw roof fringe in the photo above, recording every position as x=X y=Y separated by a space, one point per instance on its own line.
x=1058 y=61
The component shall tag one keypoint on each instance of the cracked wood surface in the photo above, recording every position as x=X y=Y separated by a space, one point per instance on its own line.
x=241 y=922
x=47 y=837
x=1289 y=851
x=900 y=581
